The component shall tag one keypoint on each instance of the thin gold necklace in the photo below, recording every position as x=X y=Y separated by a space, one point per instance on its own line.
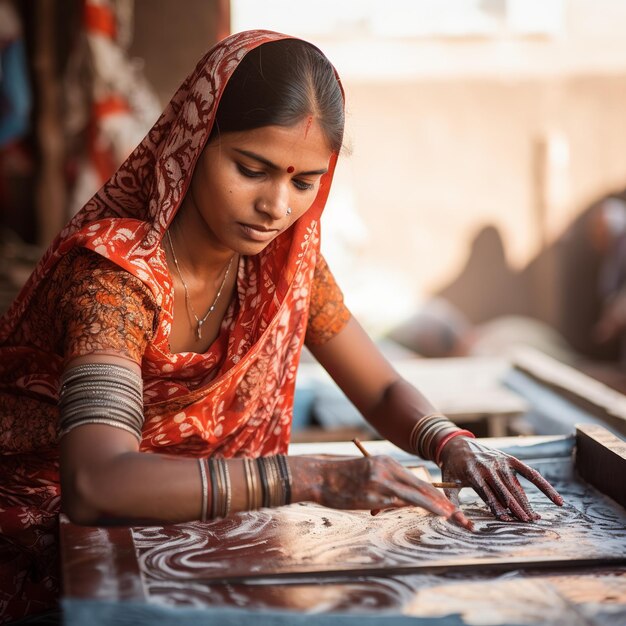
x=190 y=309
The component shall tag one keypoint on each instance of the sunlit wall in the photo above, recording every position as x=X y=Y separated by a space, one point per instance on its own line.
x=462 y=115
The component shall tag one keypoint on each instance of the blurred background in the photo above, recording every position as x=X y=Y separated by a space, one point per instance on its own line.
x=481 y=198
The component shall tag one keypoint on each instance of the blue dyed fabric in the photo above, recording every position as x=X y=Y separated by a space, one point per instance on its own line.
x=100 y=613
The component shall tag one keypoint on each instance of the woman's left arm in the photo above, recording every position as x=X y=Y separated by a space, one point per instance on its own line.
x=393 y=407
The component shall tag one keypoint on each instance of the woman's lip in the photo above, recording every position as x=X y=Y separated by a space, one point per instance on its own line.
x=258 y=233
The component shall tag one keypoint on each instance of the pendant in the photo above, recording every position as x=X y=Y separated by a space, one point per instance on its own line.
x=199 y=329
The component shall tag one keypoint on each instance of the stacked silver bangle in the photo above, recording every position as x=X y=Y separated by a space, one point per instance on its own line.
x=101 y=393
x=427 y=431
x=254 y=495
x=275 y=480
x=205 y=490
x=221 y=489
x=268 y=484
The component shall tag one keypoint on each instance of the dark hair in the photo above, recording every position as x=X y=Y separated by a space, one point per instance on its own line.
x=280 y=83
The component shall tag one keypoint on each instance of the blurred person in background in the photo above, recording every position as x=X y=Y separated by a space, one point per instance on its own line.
x=608 y=234
x=440 y=330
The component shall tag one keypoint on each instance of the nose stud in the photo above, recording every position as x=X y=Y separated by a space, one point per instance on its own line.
x=288 y=210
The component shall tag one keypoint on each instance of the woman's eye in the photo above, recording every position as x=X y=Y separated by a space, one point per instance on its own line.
x=302 y=186
x=247 y=172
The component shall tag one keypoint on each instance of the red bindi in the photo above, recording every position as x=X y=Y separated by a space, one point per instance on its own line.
x=290 y=169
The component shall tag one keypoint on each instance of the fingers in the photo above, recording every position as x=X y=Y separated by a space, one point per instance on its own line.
x=441 y=506
x=492 y=473
x=428 y=491
x=450 y=502
x=486 y=493
x=520 y=494
x=505 y=490
x=389 y=485
x=385 y=485
x=415 y=492
x=538 y=480
x=458 y=518
x=436 y=503
x=501 y=490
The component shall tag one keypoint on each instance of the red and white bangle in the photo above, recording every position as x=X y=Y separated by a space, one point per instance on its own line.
x=447 y=438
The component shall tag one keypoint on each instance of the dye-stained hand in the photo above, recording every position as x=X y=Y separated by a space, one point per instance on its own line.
x=380 y=482
x=492 y=474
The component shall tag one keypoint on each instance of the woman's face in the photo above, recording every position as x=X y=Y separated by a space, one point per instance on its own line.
x=245 y=183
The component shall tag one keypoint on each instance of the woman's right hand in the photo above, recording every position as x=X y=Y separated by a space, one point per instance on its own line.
x=374 y=482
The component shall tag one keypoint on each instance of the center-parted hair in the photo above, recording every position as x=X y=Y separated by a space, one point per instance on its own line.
x=279 y=84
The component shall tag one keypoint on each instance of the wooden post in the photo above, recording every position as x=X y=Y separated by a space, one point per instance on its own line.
x=50 y=196
x=601 y=460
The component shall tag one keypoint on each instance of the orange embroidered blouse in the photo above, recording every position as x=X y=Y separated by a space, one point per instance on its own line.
x=105 y=308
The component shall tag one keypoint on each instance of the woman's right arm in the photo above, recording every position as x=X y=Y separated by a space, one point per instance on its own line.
x=104 y=477
x=103 y=474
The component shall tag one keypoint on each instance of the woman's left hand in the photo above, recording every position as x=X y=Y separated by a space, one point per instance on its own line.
x=492 y=474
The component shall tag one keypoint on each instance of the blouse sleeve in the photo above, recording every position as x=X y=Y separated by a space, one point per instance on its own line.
x=327 y=312
x=104 y=308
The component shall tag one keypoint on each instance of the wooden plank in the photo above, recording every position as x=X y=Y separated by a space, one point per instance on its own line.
x=468 y=390
x=581 y=390
x=50 y=193
x=99 y=562
x=601 y=460
x=527 y=447
x=468 y=387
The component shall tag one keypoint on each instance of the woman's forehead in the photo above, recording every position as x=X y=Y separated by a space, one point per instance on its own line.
x=302 y=145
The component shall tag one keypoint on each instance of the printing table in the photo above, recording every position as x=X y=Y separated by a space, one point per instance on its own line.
x=308 y=564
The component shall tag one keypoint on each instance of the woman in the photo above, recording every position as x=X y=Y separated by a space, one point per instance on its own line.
x=171 y=313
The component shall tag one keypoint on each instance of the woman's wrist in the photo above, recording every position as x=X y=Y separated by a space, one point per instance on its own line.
x=306 y=478
x=427 y=432
x=448 y=443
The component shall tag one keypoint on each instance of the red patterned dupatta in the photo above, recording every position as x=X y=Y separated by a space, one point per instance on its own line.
x=234 y=400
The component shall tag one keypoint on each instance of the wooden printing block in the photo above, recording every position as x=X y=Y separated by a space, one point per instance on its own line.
x=601 y=460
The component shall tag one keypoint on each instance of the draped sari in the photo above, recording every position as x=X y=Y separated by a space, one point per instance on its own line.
x=236 y=399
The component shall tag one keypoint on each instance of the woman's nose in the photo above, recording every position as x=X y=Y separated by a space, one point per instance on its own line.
x=274 y=204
